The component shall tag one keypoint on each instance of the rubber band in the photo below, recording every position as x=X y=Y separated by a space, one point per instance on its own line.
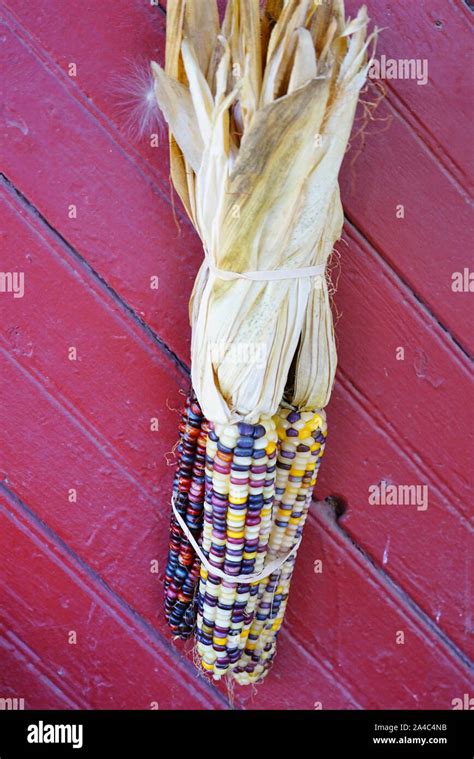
x=239 y=579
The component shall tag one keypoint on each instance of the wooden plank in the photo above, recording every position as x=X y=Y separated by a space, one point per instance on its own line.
x=427 y=553
x=440 y=33
x=428 y=244
x=25 y=677
x=416 y=246
x=354 y=622
x=106 y=392
x=66 y=600
x=124 y=227
x=297 y=680
x=404 y=371
x=115 y=524
x=121 y=382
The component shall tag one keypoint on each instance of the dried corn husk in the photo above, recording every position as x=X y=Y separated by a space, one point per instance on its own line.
x=259 y=117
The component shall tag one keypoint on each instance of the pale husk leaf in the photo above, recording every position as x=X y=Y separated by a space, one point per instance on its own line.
x=262 y=188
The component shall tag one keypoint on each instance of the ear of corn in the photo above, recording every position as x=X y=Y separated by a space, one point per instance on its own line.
x=240 y=473
x=182 y=569
x=302 y=439
x=259 y=120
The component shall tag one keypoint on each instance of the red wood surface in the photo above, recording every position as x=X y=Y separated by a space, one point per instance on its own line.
x=85 y=424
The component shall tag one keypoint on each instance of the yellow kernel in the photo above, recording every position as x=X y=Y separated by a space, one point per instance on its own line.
x=235 y=534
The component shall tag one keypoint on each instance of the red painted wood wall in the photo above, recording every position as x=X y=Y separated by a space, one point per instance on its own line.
x=84 y=425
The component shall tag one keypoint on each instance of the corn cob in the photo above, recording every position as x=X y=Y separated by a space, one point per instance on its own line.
x=182 y=569
x=240 y=473
x=301 y=445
